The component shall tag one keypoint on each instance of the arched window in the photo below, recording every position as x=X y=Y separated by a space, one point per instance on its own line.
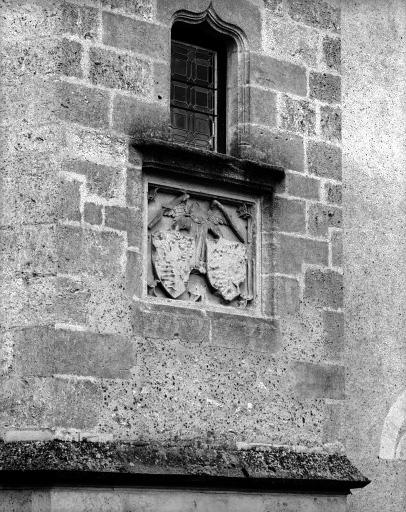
x=198 y=86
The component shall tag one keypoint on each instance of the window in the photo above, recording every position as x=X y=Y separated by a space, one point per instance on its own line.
x=198 y=87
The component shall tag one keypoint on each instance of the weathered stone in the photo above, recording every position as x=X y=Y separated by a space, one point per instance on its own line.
x=263 y=106
x=130 y=34
x=279 y=75
x=302 y=186
x=330 y=122
x=69 y=200
x=281 y=295
x=141 y=8
x=324 y=160
x=277 y=148
x=274 y=6
x=332 y=53
x=71 y=300
x=120 y=71
x=324 y=288
x=333 y=193
x=316 y=13
x=83 y=251
x=125 y=219
x=166 y=323
x=298 y=116
x=134 y=275
x=284 y=215
x=134 y=188
x=325 y=87
x=322 y=217
x=101 y=180
x=84 y=105
x=292 y=252
x=333 y=334
x=79 y=20
x=45 y=351
x=289 y=41
x=49 y=402
x=246 y=333
x=139 y=118
x=319 y=381
x=92 y=213
x=337 y=249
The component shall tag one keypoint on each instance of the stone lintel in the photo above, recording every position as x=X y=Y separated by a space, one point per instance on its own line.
x=267 y=468
x=179 y=160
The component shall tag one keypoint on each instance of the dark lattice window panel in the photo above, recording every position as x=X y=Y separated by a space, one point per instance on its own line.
x=194 y=95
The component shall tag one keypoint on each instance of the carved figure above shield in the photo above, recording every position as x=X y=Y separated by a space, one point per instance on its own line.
x=200 y=247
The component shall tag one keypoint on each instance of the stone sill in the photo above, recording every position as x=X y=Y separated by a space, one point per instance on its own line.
x=221 y=169
x=270 y=469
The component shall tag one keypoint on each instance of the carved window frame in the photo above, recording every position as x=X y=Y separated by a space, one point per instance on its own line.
x=237 y=110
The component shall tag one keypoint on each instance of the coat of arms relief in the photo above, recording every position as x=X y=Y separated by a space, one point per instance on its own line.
x=201 y=247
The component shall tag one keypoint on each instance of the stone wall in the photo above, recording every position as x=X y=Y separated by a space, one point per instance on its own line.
x=79 y=80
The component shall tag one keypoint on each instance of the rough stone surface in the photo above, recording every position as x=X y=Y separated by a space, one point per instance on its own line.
x=325 y=87
x=332 y=53
x=324 y=160
x=298 y=116
x=330 y=122
x=316 y=13
x=119 y=71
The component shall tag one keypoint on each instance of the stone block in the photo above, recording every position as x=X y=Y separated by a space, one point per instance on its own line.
x=140 y=36
x=126 y=219
x=72 y=296
x=134 y=277
x=281 y=295
x=289 y=41
x=284 y=214
x=83 y=251
x=80 y=20
x=333 y=193
x=50 y=402
x=330 y=123
x=168 y=323
x=162 y=82
x=141 y=8
x=333 y=323
x=337 y=249
x=321 y=217
x=248 y=333
x=333 y=422
x=134 y=189
x=301 y=186
x=27 y=301
x=324 y=160
x=324 y=288
x=292 y=252
x=141 y=119
x=275 y=148
x=120 y=71
x=325 y=87
x=45 y=351
x=276 y=74
x=69 y=200
x=84 y=105
x=98 y=146
x=298 y=116
x=92 y=213
x=315 y=13
x=68 y=58
x=101 y=180
x=332 y=53
x=274 y=6
x=263 y=106
x=28 y=251
x=319 y=380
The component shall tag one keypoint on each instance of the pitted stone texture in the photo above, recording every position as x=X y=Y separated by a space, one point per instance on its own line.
x=49 y=402
x=289 y=41
x=142 y=8
x=316 y=13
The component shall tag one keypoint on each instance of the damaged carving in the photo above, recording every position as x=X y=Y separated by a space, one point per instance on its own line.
x=200 y=247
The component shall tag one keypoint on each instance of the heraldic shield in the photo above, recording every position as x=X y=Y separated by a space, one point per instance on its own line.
x=172 y=256
x=226 y=266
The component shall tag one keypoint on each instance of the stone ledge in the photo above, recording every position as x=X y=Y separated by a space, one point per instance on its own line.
x=120 y=463
x=177 y=159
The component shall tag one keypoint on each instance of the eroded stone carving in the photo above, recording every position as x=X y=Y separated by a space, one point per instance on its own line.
x=200 y=247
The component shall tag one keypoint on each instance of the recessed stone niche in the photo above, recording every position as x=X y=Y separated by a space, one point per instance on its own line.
x=201 y=246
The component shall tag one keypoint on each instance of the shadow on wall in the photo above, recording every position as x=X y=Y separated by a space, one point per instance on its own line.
x=393 y=439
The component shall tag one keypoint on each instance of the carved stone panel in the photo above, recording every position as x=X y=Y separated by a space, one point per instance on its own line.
x=201 y=247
